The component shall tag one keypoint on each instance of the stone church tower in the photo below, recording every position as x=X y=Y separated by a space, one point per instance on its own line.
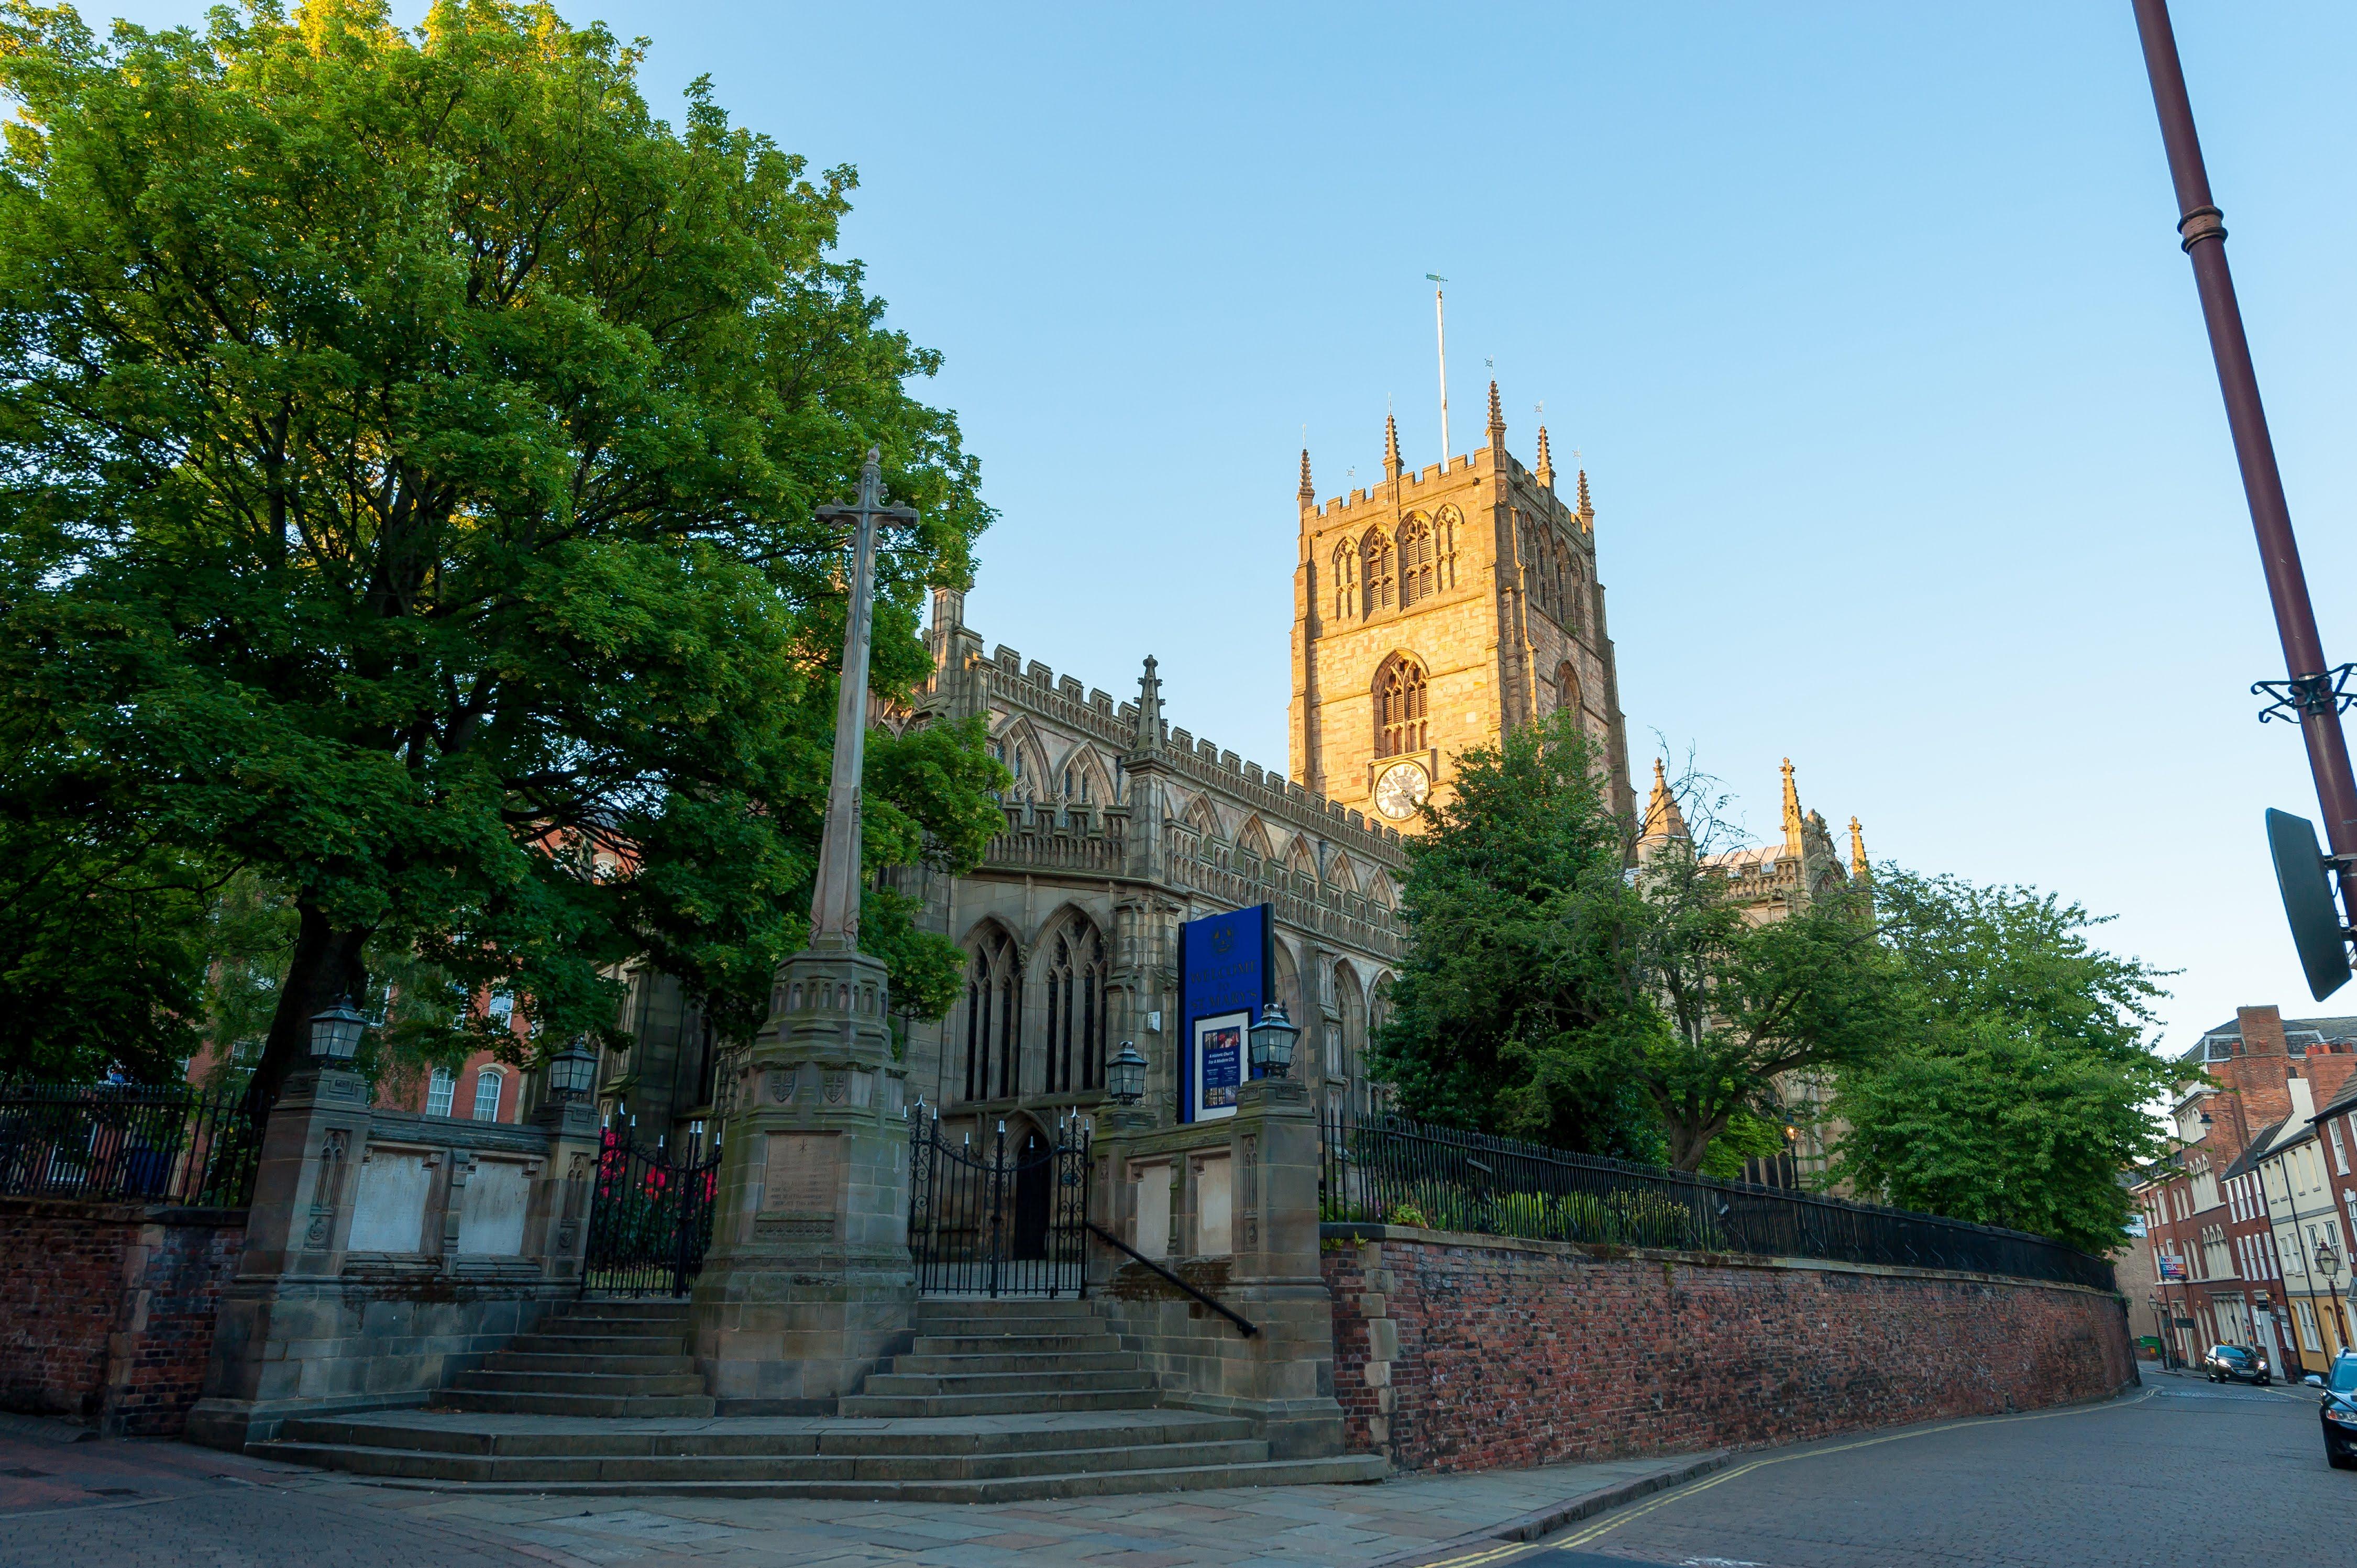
x=1435 y=611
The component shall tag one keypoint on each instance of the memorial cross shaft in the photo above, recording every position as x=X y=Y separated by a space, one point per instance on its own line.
x=834 y=901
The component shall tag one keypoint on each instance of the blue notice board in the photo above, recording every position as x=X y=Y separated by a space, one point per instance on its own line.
x=1226 y=972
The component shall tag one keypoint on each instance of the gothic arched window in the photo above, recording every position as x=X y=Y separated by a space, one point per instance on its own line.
x=1444 y=548
x=994 y=1014
x=1346 y=581
x=1416 y=562
x=1400 y=724
x=1076 y=1008
x=1566 y=688
x=1574 y=589
x=1375 y=555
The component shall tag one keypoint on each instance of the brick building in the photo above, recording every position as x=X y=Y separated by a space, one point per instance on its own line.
x=2253 y=1085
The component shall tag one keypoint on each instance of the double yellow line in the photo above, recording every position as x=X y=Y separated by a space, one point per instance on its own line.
x=1521 y=1547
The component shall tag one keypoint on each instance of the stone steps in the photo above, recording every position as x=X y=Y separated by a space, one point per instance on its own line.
x=422 y=1464
x=725 y=1435
x=591 y=1357
x=494 y=1402
x=998 y=1401
x=907 y=1406
x=980 y=1357
x=559 y=1362
x=1014 y=1344
x=984 y=1361
x=1023 y=1379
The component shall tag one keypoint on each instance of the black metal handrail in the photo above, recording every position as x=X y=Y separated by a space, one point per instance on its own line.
x=1393 y=1169
x=1102 y=1234
x=123 y=1142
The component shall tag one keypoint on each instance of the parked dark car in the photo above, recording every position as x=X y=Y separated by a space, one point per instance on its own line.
x=2236 y=1364
x=2339 y=1412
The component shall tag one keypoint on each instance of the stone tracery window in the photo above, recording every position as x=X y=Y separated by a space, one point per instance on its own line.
x=1538 y=566
x=1375 y=555
x=1346 y=581
x=1444 y=547
x=1416 y=566
x=1076 y=1008
x=1566 y=688
x=994 y=1015
x=1574 y=589
x=1400 y=722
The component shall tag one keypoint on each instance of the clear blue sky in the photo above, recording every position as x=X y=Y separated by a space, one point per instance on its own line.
x=1868 y=322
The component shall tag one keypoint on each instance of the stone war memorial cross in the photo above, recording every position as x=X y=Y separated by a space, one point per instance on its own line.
x=807 y=1282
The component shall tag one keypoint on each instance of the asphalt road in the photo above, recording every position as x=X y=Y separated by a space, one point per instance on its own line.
x=2181 y=1473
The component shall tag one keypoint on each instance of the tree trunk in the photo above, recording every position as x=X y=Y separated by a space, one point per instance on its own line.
x=325 y=965
x=1690 y=1143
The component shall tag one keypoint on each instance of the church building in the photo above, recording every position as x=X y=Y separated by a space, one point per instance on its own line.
x=1431 y=612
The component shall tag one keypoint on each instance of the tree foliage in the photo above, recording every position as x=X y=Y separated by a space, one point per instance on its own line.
x=1725 y=1006
x=411 y=447
x=1560 y=986
x=2017 y=1094
x=1508 y=1013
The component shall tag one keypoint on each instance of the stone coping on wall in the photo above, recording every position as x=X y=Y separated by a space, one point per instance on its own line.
x=1356 y=1232
x=119 y=1211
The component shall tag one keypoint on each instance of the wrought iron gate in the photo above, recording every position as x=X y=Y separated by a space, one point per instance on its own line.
x=650 y=1221
x=1000 y=1217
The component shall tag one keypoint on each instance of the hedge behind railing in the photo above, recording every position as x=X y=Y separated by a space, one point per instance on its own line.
x=1389 y=1169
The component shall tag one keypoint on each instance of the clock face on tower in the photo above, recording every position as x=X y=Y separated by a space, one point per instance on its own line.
x=1401 y=789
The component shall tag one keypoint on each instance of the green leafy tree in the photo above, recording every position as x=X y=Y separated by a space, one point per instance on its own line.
x=412 y=447
x=1565 y=984
x=2018 y=1093
x=102 y=951
x=1509 y=1013
x=1729 y=1006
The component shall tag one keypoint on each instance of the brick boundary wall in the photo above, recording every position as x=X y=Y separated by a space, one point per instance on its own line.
x=1456 y=1352
x=107 y=1309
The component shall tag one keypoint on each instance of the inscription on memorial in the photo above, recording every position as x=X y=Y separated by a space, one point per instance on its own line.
x=802 y=1174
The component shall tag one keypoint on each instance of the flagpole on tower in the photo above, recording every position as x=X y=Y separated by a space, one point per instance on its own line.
x=1440 y=326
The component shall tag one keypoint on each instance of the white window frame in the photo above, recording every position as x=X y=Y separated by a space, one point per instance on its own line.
x=441 y=1088
x=2303 y=1312
x=2339 y=1150
x=488 y=1077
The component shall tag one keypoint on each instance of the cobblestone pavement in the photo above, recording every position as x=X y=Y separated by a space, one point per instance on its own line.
x=166 y=1505
x=2179 y=1473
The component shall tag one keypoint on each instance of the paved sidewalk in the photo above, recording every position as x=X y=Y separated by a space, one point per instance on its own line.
x=131 y=1505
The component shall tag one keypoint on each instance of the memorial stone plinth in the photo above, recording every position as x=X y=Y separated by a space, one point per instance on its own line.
x=808 y=1284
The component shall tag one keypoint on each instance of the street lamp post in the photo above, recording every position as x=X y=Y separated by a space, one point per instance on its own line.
x=2312 y=693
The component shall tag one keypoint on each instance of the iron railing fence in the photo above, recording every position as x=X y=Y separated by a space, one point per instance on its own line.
x=987 y=1218
x=1391 y=1169
x=156 y=1143
x=650 y=1220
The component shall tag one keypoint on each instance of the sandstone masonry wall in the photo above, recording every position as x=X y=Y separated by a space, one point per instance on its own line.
x=107 y=1309
x=1469 y=1353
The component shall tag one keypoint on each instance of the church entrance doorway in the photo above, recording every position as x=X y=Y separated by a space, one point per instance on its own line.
x=1035 y=1185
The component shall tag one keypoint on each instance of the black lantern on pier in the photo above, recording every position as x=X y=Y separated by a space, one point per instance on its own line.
x=336 y=1032
x=1125 y=1075
x=1272 y=1042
